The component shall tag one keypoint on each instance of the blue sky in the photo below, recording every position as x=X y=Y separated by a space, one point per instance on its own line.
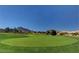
x=40 y=17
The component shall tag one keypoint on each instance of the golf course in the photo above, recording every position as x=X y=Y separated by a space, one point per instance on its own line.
x=42 y=43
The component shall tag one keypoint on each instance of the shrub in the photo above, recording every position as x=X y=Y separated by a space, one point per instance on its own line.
x=51 y=32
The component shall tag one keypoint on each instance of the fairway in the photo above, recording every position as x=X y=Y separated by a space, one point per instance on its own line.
x=10 y=42
x=39 y=41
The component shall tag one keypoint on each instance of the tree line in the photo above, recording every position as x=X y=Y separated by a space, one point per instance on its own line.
x=24 y=30
x=48 y=32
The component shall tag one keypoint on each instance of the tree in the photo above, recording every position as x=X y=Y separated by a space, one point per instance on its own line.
x=7 y=29
x=15 y=30
x=75 y=34
x=48 y=32
x=62 y=33
x=51 y=32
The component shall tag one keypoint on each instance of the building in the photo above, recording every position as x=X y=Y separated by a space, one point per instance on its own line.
x=69 y=33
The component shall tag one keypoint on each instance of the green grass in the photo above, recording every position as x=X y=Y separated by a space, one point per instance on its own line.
x=39 y=41
x=10 y=42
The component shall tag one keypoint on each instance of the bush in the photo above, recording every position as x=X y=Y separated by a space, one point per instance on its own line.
x=51 y=32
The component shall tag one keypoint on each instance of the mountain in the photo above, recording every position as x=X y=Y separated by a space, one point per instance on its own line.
x=2 y=30
x=23 y=29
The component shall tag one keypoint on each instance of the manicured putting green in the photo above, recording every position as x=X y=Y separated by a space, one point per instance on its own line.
x=40 y=41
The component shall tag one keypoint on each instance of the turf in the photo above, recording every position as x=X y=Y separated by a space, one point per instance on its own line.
x=10 y=42
x=39 y=41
